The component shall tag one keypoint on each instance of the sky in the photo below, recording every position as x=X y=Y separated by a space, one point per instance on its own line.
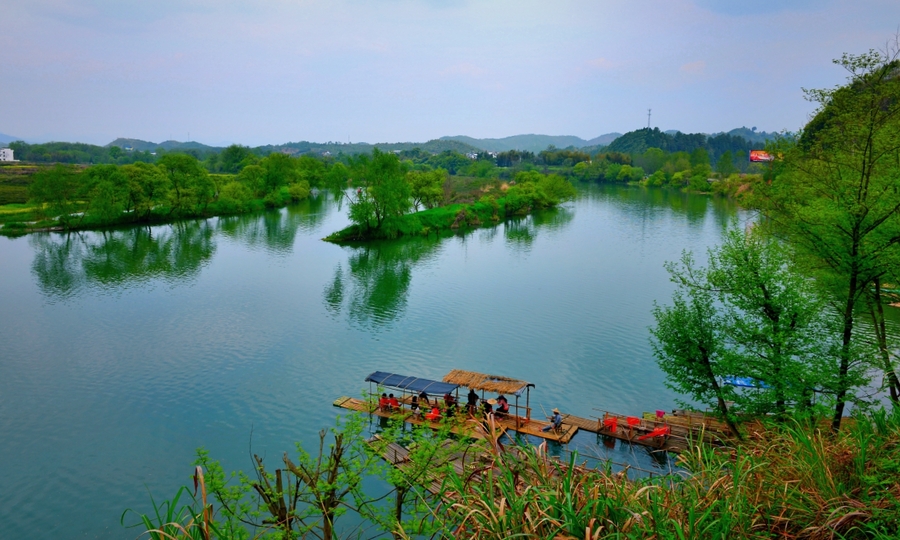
x=273 y=71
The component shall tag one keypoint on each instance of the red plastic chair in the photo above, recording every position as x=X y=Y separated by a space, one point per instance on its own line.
x=611 y=423
x=658 y=432
x=633 y=421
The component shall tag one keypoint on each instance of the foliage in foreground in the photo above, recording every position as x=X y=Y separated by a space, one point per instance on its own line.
x=784 y=481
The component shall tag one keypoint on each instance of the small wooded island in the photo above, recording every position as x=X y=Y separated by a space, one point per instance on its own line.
x=379 y=207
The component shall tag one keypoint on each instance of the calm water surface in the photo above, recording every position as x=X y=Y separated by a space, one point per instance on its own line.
x=123 y=351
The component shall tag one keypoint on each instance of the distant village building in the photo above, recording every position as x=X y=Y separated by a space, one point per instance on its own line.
x=6 y=154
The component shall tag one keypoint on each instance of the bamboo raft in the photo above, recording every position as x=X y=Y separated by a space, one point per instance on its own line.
x=670 y=433
x=468 y=426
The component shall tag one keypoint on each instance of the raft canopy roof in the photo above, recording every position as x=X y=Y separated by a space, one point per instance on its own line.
x=411 y=384
x=488 y=383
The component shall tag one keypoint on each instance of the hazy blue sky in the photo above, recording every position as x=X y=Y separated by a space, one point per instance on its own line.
x=257 y=72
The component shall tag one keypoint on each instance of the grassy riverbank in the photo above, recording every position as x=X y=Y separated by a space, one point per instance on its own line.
x=784 y=481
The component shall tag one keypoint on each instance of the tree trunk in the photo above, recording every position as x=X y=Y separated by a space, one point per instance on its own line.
x=398 y=507
x=877 y=310
x=723 y=408
x=844 y=368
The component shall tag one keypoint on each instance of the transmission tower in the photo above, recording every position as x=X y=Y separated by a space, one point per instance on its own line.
x=648 y=118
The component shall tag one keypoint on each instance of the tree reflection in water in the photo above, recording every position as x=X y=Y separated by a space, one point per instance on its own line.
x=115 y=259
x=373 y=288
x=275 y=230
x=520 y=232
x=373 y=285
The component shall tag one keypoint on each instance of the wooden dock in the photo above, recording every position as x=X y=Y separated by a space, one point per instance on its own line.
x=684 y=426
x=469 y=429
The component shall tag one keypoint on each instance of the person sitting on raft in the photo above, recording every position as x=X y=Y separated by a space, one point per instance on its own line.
x=435 y=414
x=472 y=401
x=489 y=406
x=555 y=421
x=502 y=406
x=414 y=405
x=392 y=401
x=383 y=403
x=449 y=403
x=423 y=399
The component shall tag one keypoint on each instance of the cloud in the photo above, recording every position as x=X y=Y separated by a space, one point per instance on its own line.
x=693 y=68
x=601 y=63
x=464 y=69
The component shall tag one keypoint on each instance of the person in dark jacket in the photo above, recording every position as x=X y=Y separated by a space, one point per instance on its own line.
x=472 y=401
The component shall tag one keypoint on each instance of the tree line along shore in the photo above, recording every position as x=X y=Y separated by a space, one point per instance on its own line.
x=110 y=186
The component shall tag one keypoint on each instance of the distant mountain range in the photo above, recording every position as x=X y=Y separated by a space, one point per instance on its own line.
x=434 y=146
x=459 y=143
x=532 y=143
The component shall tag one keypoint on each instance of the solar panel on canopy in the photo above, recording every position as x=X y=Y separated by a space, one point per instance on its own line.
x=411 y=384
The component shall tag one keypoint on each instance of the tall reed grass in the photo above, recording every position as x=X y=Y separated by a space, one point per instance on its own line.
x=785 y=481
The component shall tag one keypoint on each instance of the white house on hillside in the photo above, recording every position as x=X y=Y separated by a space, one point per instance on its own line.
x=6 y=154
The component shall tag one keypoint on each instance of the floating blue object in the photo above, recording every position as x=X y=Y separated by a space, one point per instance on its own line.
x=744 y=382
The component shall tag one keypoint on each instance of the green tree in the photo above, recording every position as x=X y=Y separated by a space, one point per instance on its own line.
x=776 y=325
x=426 y=187
x=231 y=159
x=148 y=187
x=186 y=177
x=834 y=193
x=725 y=165
x=651 y=160
x=384 y=191
x=107 y=192
x=699 y=157
x=235 y=197
x=57 y=188
x=253 y=176
x=751 y=315
x=689 y=343
x=312 y=170
x=280 y=170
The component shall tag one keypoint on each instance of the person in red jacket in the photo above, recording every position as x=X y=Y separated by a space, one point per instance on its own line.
x=502 y=406
x=383 y=403
x=434 y=415
x=394 y=404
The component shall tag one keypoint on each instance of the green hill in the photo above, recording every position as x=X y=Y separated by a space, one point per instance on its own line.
x=637 y=142
x=532 y=142
x=146 y=146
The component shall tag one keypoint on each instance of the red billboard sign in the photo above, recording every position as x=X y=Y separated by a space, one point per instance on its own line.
x=757 y=156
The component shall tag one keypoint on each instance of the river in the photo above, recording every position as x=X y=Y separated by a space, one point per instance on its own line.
x=123 y=351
